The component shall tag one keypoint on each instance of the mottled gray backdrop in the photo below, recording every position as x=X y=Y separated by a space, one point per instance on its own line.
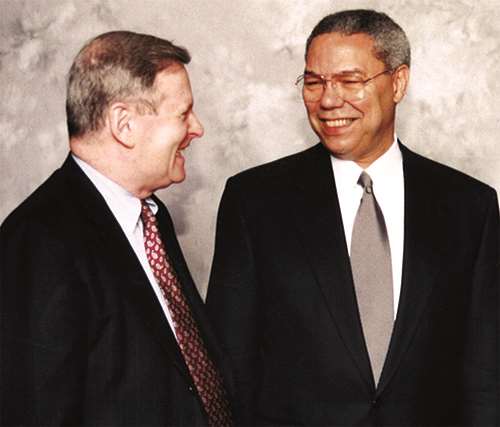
x=246 y=55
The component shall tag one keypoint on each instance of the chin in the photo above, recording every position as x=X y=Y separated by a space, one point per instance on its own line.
x=336 y=147
x=167 y=182
x=177 y=178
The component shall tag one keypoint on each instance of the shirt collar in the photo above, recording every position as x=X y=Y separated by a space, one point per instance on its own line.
x=125 y=206
x=382 y=170
x=386 y=169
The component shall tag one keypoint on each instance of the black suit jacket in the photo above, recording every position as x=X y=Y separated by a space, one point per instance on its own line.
x=282 y=300
x=83 y=339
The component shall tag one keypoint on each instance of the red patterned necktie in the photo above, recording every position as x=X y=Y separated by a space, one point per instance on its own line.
x=203 y=372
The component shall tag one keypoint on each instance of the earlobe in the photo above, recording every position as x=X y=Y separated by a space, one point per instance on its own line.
x=120 y=116
x=400 y=81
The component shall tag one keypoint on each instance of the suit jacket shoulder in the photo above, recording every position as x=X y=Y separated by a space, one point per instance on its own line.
x=279 y=171
x=43 y=207
x=445 y=196
x=277 y=183
x=74 y=297
x=444 y=179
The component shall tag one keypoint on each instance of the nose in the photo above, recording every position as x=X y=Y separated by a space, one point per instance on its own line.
x=195 y=127
x=331 y=98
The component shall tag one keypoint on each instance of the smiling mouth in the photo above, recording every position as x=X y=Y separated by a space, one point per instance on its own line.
x=337 y=122
x=179 y=154
x=182 y=147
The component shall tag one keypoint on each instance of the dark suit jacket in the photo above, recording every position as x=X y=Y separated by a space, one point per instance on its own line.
x=282 y=300
x=83 y=339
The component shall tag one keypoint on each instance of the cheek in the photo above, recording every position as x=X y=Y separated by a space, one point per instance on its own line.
x=370 y=109
x=312 y=114
x=379 y=106
x=180 y=131
x=173 y=137
x=311 y=107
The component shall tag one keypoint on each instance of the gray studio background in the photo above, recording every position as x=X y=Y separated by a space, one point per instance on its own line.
x=246 y=55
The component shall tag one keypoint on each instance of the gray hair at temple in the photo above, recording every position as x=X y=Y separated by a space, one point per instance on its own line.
x=116 y=66
x=391 y=46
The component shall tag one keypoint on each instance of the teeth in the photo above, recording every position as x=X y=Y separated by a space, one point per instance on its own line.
x=338 y=122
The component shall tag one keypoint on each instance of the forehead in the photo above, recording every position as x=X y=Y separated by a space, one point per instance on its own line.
x=336 y=52
x=172 y=86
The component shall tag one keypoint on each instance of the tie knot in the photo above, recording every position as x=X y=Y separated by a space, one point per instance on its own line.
x=147 y=214
x=366 y=182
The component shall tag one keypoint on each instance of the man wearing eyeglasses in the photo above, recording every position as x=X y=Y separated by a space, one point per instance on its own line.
x=356 y=282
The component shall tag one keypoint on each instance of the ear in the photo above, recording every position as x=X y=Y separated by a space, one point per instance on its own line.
x=400 y=80
x=121 y=121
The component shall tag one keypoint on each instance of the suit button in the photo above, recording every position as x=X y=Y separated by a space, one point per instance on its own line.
x=191 y=389
x=374 y=402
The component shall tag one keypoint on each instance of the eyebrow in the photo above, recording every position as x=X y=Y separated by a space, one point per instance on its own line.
x=342 y=73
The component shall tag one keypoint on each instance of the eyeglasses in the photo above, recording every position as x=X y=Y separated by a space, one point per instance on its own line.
x=348 y=87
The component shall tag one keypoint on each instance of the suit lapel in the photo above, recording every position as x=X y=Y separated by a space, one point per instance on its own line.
x=115 y=250
x=319 y=224
x=190 y=291
x=420 y=265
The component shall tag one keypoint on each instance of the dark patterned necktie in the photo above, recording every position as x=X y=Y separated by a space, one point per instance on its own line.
x=205 y=376
x=372 y=273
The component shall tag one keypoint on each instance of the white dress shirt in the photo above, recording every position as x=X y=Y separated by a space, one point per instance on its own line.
x=388 y=187
x=126 y=208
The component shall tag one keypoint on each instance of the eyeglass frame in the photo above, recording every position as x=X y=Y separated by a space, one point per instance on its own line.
x=325 y=80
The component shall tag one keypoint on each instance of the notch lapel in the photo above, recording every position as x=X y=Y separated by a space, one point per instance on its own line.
x=319 y=223
x=420 y=267
x=190 y=291
x=114 y=249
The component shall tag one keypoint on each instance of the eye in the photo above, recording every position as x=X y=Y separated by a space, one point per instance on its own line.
x=312 y=82
x=186 y=112
x=350 y=81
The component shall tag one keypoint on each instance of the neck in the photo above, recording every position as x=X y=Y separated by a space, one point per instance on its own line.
x=111 y=161
x=364 y=162
x=381 y=144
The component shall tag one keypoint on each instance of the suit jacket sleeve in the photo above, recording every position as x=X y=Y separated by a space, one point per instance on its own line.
x=43 y=326
x=231 y=299
x=482 y=355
